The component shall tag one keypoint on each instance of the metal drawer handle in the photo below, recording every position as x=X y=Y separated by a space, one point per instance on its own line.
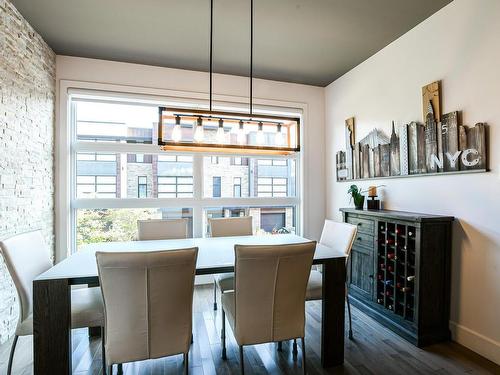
x=360 y=224
x=360 y=239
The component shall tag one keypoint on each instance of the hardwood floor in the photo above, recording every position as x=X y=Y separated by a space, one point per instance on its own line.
x=374 y=350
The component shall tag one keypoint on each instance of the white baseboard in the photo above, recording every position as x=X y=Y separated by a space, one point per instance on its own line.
x=476 y=342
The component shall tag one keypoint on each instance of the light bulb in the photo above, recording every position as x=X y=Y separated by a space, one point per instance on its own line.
x=199 y=134
x=220 y=132
x=176 y=132
x=241 y=137
x=260 y=135
x=278 y=138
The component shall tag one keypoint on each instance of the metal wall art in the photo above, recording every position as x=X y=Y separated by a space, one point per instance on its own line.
x=440 y=145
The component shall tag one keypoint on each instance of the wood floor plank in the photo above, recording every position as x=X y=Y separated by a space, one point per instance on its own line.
x=374 y=350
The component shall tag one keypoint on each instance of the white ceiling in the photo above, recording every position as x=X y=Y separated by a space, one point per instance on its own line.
x=304 y=41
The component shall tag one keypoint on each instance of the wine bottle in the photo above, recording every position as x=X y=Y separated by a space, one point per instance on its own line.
x=389 y=307
x=388 y=282
x=410 y=278
x=388 y=293
x=389 y=268
x=399 y=285
x=380 y=300
x=380 y=277
x=405 y=289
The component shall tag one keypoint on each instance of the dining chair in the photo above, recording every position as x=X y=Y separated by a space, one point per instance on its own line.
x=268 y=302
x=338 y=236
x=26 y=257
x=162 y=229
x=228 y=227
x=148 y=304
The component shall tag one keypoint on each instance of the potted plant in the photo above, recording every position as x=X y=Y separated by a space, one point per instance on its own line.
x=357 y=196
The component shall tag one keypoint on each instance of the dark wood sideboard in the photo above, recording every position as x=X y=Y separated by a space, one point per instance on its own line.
x=399 y=271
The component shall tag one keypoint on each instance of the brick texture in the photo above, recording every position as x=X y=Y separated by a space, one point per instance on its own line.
x=27 y=104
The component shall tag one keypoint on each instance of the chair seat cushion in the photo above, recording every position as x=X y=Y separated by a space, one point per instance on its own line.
x=87 y=310
x=225 y=281
x=314 y=286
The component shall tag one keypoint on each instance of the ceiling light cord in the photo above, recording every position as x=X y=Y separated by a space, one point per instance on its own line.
x=251 y=57
x=211 y=54
x=211 y=47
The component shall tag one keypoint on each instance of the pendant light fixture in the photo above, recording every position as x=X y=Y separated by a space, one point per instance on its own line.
x=199 y=132
x=204 y=120
x=220 y=132
x=177 y=133
x=241 y=137
x=279 y=140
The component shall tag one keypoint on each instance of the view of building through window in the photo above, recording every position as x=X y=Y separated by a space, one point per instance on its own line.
x=138 y=175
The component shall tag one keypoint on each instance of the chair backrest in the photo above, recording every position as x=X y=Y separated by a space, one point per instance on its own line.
x=270 y=288
x=26 y=257
x=148 y=300
x=338 y=236
x=162 y=229
x=231 y=226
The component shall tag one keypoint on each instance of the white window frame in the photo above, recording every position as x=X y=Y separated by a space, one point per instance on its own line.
x=67 y=147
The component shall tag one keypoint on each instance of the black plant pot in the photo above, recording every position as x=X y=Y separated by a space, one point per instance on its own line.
x=359 y=202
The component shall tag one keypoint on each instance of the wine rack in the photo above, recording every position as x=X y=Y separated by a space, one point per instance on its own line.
x=399 y=271
x=396 y=268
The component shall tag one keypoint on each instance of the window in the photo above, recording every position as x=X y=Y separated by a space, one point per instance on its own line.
x=216 y=187
x=119 y=176
x=265 y=219
x=175 y=187
x=89 y=186
x=104 y=224
x=237 y=187
x=142 y=187
x=272 y=187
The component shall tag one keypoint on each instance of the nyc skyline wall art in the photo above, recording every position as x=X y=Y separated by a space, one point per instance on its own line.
x=439 y=145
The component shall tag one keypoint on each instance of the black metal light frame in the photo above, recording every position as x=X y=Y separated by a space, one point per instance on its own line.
x=216 y=115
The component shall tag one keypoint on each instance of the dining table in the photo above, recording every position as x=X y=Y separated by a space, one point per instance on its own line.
x=52 y=291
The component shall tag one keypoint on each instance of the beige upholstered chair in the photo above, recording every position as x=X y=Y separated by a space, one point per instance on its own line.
x=228 y=227
x=148 y=302
x=26 y=257
x=268 y=303
x=161 y=229
x=338 y=236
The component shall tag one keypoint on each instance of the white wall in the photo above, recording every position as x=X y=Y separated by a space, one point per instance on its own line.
x=459 y=45
x=151 y=79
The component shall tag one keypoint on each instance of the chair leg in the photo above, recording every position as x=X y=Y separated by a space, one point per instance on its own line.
x=186 y=363
x=215 y=295
x=223 y=335
x=294 y=348
x=349 y=313
x=11 y=356
x=103 y=348
x=242 y=363
x=120 y=369
x=304 y=370
x=109 y=370
x=280 y=346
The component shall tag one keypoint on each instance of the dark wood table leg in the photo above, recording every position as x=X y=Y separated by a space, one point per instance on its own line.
x=332 y=323
x=52 y=327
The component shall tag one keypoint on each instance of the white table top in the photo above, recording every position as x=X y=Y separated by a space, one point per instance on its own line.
x=215 y=255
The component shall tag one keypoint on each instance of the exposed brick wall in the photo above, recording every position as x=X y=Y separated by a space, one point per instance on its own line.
x=27 y=104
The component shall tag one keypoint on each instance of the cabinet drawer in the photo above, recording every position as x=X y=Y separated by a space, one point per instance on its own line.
x=363 y=240
x=364 y=225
